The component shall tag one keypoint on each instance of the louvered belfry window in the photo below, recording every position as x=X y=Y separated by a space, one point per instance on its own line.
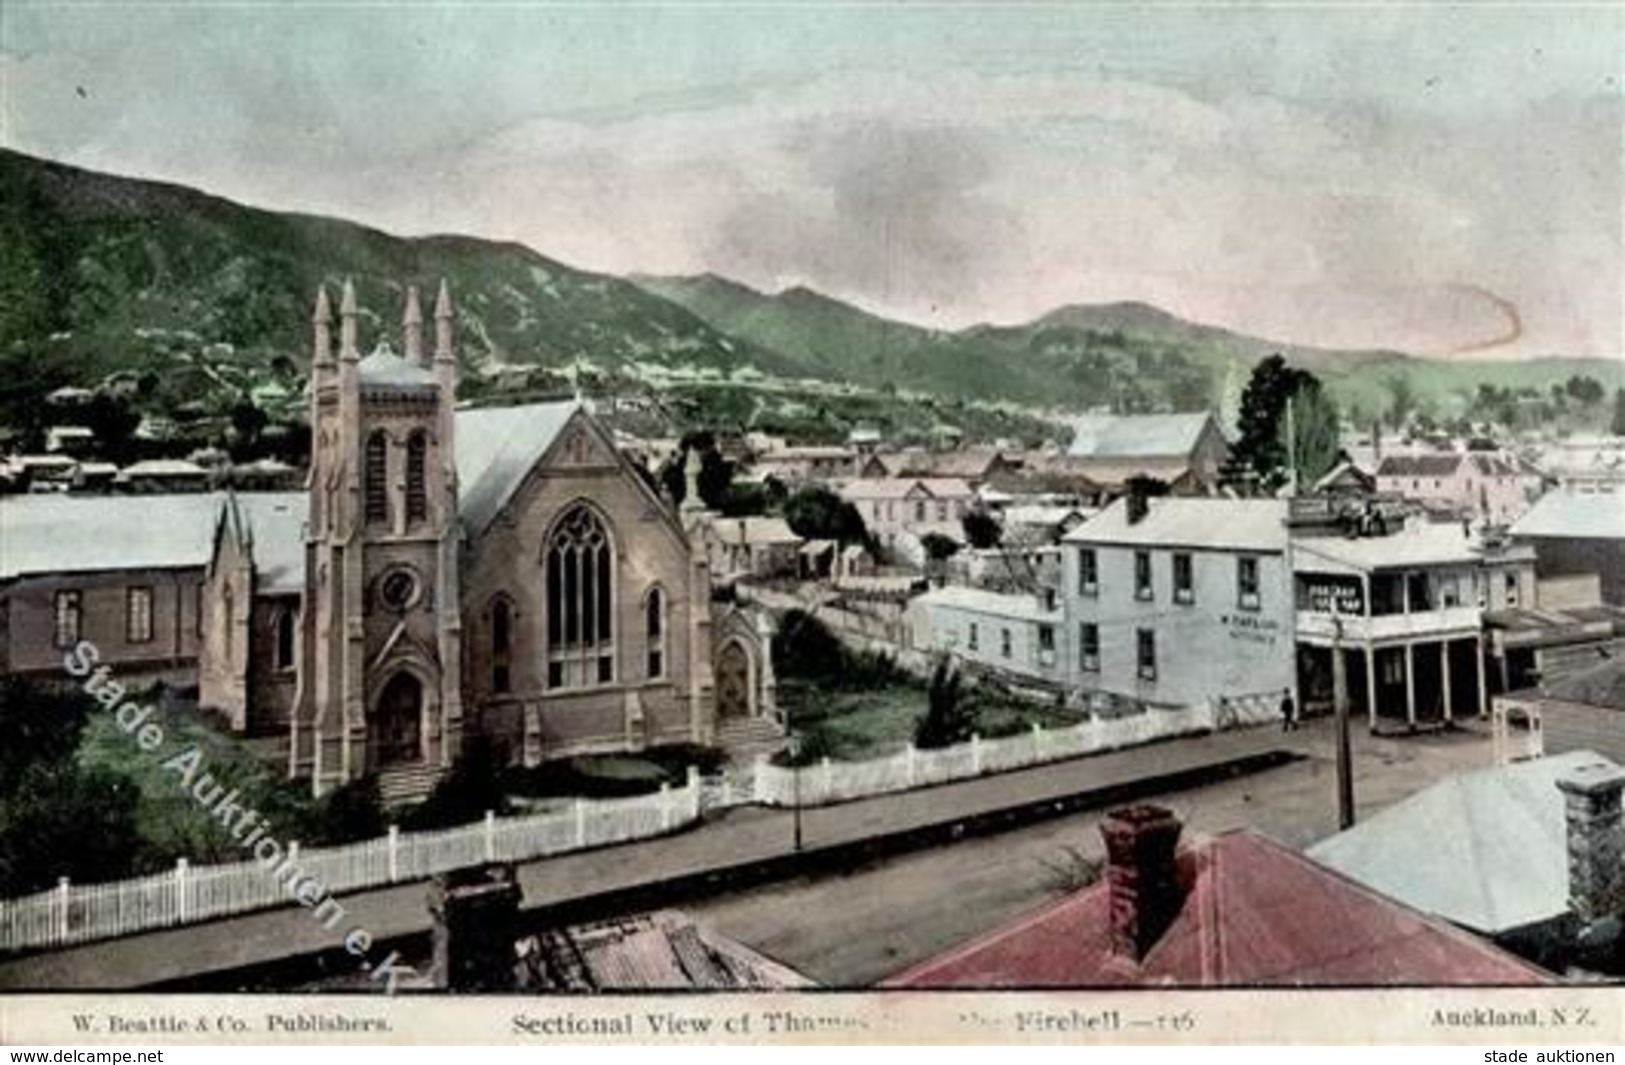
x=376 y=472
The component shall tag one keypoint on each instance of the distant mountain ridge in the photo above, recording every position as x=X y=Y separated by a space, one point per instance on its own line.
x=102 y=274
x=1079 y=354
x=92 y=259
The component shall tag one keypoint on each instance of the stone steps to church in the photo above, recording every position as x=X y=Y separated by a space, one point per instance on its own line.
x=745 y=738
x=407 y=784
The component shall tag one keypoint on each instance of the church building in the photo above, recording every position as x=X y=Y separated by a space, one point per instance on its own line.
x=503 y=572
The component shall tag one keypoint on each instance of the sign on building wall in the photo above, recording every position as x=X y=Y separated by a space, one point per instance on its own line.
x=1326 y=594
x=1252 y=628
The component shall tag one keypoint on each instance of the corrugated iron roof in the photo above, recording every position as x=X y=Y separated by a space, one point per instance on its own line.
x=995 y=604
x=1254 y=913
x=496 y=449
x=1487 y=849
x=1137 y=435
x=899 y=488
x=1191 y=521
x=664 y=951
x=1568 y=514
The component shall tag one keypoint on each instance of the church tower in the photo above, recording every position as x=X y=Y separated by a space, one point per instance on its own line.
x=382 y=633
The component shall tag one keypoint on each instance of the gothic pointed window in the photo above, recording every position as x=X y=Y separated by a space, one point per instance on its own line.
x=286 y=635
x=654 y=625
x=501 y=643
x=417 y=490
x=376 y=474
x=580 y=602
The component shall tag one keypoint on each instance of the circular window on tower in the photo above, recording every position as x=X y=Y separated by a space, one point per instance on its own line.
x=398 y=589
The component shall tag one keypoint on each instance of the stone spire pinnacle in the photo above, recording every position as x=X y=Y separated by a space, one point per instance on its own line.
x=412 y=327
x=442 y=324
x=322 y=326
x=347 y=315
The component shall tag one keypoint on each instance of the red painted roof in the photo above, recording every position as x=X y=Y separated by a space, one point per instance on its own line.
x=1255 y=913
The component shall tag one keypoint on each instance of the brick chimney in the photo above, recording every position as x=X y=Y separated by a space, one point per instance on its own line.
x=1591 y=799
x=1138 y=502
x=475 y=914
x=1141 y=876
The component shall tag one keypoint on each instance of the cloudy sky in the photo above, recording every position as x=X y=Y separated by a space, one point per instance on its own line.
x=1444 y=179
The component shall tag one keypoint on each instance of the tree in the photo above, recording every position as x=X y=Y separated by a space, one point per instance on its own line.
x=805 y=649
x=473 y=786
x=114 y=423
x=982 y=530
x=1402 y=402
x=43 y=727
x=937 y=547
x=351 y=812
x=1587 y=391
x=949 y=718
x=817 y=513
x=1263 y=444
x=1314 y=420
x=1618 y=425
x=47 y=798
x=54 y=805
x=247 y=423
x=715 y=476
x=1258 y=445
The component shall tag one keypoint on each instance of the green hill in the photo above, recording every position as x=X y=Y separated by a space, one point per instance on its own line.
x=104 y=274
x=1125 y=355
x=202 y=303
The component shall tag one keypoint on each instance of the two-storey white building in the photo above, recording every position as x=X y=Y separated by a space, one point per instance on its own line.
x=1016 y=635
x=1172 y=601
x=1406 y=612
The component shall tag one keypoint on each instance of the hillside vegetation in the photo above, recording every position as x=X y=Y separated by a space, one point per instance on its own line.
x=202 y=306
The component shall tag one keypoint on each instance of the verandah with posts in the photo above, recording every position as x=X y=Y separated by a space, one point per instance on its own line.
x=74 y=913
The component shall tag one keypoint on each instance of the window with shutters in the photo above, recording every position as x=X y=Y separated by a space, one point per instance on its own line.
x=138 y=614
x=68 y=614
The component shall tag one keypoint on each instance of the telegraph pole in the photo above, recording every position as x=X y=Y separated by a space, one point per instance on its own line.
x=1292 y=446
x=1340 y=705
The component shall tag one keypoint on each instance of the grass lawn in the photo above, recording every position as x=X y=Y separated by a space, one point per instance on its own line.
x=170 y=821
x=852 y=725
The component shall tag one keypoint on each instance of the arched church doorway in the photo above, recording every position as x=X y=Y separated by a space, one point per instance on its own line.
x=733 y=682
x=400 y=720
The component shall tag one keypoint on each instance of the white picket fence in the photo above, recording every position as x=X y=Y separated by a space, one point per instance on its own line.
x=74 y=913
x=828 y=782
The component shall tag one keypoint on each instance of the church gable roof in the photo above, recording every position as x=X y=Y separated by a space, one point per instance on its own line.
x=497 y=447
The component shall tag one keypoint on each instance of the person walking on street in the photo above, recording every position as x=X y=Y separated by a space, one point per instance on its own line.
x=1289 y=712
